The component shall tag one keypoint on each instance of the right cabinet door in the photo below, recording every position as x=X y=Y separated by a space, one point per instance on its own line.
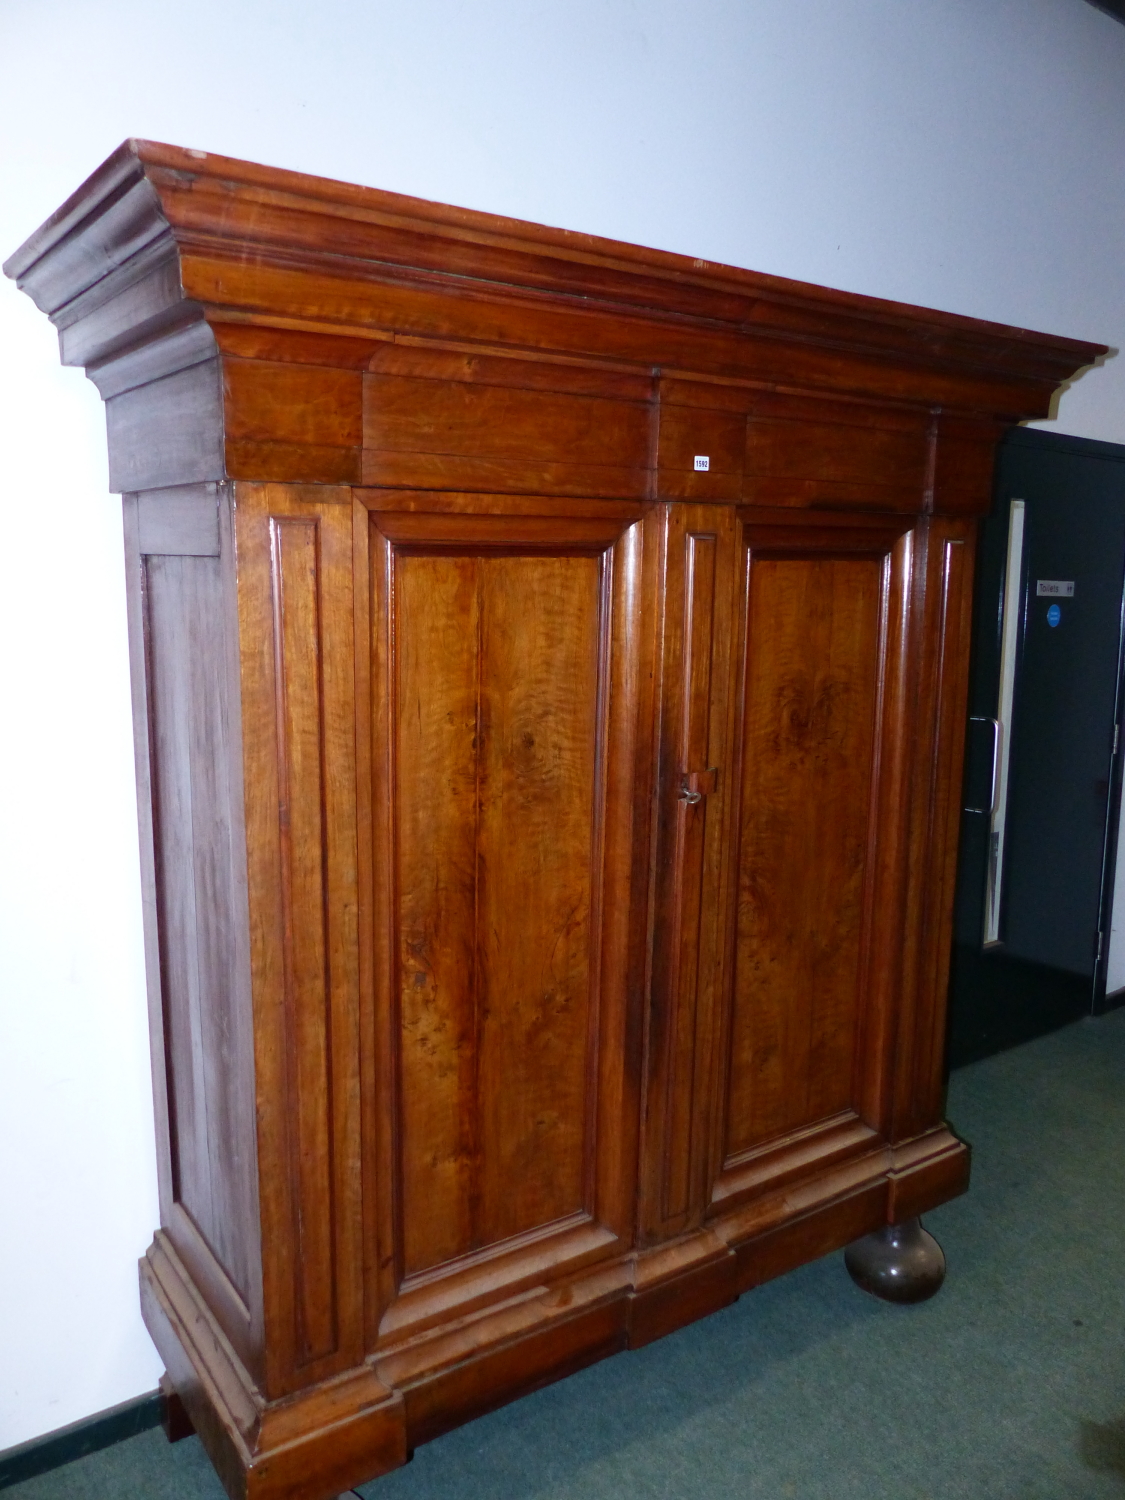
x=805 y=697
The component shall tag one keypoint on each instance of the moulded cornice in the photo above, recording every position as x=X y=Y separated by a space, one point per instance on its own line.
x=148 y=195
x=170 y=273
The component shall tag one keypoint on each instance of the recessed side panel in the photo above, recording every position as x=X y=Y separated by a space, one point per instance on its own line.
x=199 y=898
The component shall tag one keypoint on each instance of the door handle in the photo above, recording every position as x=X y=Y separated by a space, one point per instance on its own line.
x=695 y=785
x=991 y=808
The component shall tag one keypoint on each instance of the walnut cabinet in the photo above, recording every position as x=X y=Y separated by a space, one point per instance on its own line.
x=549 y=661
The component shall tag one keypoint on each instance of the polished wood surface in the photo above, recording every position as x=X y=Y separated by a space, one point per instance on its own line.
x=805 y=783
x=549 y=664
x=497 y=749
x=505 y=686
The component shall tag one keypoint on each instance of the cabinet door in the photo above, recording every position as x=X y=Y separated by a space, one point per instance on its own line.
x=810 y=749
x=811 y=688
x=848 y=679
x=505 y=677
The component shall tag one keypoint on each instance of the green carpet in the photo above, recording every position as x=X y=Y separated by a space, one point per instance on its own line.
x=1011 y=1383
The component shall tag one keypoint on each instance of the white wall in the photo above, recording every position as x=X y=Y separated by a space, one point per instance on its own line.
x=965 y=154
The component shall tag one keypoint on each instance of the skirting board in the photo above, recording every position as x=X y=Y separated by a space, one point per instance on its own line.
x=64 y=1445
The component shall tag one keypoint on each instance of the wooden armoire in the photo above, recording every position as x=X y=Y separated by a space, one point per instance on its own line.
x=549 y=665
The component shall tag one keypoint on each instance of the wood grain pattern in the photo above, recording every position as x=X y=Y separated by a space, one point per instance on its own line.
x=497 y=705
x=719 y=436
x=267 y=400
x=500 y=962
x=265 y=437
x=198 y=904
x=296 y=617
x=452 y=434
x=498 y=314
x=808 y=740
x=856 y=463
x=145 y=289
x=700 y=567
x=933 y=808
x=505 y=369
x=327 y=273
x=688 y=960
x=168 y=432
x=298 y=647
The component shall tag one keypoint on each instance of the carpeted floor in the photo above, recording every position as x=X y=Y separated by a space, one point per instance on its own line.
x=1010 y=1385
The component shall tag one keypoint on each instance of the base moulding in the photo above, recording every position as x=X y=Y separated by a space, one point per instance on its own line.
x=357 y=1426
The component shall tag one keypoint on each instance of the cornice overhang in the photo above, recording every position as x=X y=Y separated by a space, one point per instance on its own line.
x=168 y=259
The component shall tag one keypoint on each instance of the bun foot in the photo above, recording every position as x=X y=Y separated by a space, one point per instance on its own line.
x=901 y=1263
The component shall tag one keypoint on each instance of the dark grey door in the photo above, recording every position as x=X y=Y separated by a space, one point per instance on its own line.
x=1038 y=834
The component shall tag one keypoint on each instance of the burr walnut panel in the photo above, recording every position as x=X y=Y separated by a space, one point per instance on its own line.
x=807 y=757
x=497 y=740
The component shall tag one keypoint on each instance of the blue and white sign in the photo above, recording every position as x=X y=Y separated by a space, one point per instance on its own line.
x=1054 y=615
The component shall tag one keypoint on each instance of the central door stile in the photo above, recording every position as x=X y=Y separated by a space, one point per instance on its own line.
x=688 y=963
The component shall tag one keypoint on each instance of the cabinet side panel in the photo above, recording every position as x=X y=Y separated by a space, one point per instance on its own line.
x=497 y=720
x=199 y=903
x=811 y=687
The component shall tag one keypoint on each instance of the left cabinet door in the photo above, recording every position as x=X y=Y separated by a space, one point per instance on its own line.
x=506 y=679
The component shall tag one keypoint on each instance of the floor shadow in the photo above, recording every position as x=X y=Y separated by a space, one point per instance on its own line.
x=545 y=1442
x=1101 y=1446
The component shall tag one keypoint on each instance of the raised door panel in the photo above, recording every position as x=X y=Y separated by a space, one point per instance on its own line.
x=808 y=748
x=496 y=755
x=504 y=694
x=817 y=845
